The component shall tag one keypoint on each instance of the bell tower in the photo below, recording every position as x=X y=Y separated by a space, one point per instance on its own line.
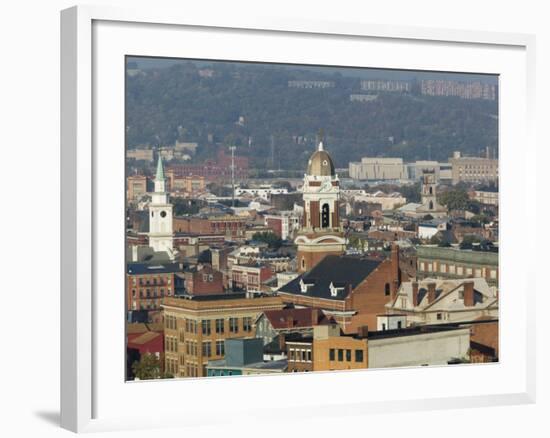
x=160 y=215
x=429 y=197
x=321 y=233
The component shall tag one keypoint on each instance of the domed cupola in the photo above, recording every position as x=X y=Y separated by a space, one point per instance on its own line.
x=320 y=163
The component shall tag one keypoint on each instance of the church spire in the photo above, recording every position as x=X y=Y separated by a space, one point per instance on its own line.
x=160 y=170
x=321 y=137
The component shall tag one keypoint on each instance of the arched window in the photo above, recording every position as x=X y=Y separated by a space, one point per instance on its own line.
x=431 y=190
x=387 y=289
x=303 y=263
x=325 y=216
x=431 y=205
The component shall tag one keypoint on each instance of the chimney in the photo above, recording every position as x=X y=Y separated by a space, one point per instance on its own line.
x=468 y=287
x=394 y=289
x=395 y=262
x=282 y=343
x=431 y=292
x=289 y=321
x=415 y=293
x=314 y=316
x=363 y=331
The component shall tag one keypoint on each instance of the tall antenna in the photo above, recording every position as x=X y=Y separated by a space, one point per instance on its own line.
x=232 y=149
x=272 y=151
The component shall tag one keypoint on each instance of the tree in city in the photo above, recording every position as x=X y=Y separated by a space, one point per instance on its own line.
x=455 y=199
x=268 y=237
x=148 y=367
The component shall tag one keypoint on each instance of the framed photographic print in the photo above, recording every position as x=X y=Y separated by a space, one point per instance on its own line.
x=281 y=207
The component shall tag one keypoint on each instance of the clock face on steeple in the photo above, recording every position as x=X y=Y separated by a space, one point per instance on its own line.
x=162 y=213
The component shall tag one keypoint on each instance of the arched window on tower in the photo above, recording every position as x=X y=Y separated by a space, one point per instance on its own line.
x=387 y=289
x=431 y=205
x=431 y=190
x=325 y=216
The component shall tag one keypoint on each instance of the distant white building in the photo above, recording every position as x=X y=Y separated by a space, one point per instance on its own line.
x=428 y=229
x=378 y=169
x=388 y=201
x=263 y=192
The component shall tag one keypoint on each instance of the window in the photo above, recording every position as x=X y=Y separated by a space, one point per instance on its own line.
x=325 y=216
x=387 y=289
x=291 y=354
x=220 y=348
x=206 y=329
x=340 y=355
x=358 y=355
x=348 y=355
x=303 y=354
x=309 y=355
x=233 y=325
x=439 y=316
x=383 y=326
x=220 y=326
x=247 y=324
x=206 y=349
x=331 y=355
x=398 y=324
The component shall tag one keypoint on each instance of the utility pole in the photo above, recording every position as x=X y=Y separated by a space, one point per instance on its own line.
x=232 y=149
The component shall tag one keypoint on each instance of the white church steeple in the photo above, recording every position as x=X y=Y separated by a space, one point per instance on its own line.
x=160 y=215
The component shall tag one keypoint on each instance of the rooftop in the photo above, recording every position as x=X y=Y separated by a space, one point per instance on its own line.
x=332 y=278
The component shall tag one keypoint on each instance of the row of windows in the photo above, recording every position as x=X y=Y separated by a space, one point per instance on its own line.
x=458 y=270
x=359 y=356
x=171 y=366
x=296 y=355
x=148 y=294
x=170 y=322
x=171 y=343
x=153 y=281
x=207 y=348
x=218 y=325
x=155 y=304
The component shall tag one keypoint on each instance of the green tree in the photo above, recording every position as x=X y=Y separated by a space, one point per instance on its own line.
x=411 y=192
x=268 y=237
x=186 y=206
x=148 y=367
x=455 y=199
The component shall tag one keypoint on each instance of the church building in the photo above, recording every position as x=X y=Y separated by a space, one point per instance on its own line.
x=321 y=234
x=428 y=200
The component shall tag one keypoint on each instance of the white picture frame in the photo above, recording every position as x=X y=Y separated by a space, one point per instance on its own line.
x=91 y=398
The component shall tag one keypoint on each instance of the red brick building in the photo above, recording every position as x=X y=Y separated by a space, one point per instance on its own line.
x=218 y=170
x=250 y=277
x=351 y=289
x=226 y=225
x=148 y=285
x=205 y=281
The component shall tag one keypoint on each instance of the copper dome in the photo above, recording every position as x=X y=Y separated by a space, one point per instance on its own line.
x=320 y=163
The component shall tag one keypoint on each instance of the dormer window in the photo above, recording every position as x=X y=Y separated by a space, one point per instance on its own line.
x=334 y=290
x=305 y=285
